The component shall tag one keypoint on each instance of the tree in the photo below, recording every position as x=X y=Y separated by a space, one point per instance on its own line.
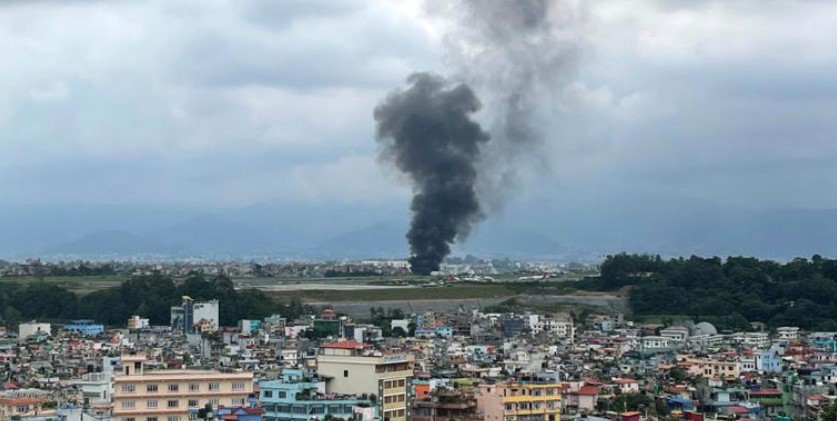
x=12 y=316
x=678 y=374
x=398 y=332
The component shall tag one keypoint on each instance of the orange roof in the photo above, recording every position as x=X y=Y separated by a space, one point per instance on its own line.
x=347 y=344
x=21 y=401
x=625 y=381
x=588 y=391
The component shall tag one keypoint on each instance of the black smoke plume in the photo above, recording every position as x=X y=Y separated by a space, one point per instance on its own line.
x=427 y=132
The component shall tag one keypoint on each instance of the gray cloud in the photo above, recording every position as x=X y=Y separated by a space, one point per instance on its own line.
x=238 y=103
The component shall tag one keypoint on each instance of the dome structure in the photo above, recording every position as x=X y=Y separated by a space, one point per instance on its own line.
x=705 y=328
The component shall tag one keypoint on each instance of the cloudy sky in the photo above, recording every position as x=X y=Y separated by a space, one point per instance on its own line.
x=236 y=103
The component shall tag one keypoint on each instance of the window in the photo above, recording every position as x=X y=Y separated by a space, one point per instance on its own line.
x=268 y=394
x=173 y=418
x=213 y=402
x=238 y=401
x=129 y=419
x=193 y=403
x=214 y=386
x=128 y=404
x=151 y=388
x=194 y=387
x=151 y=419
x=174 y=387
x=238 y=386
x=173 y=403
x=151 y=404
x=402 y=383
x=283 y=395
x=345 y=373
x=129 y=388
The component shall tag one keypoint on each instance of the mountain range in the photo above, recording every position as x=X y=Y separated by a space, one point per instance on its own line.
x=368 y=231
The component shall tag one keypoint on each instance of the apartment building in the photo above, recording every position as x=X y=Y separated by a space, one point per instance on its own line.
x=173 y=395
x=535 y=401
x=299 y=396
x=16 y=407
x=350 y=367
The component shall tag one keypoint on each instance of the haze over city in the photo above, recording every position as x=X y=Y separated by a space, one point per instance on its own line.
x=246 y=128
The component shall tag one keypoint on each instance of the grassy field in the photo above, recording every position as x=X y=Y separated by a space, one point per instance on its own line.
x=458 y=291
x=78 y=284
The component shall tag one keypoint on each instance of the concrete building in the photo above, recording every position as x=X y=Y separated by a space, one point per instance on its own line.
x=137 y=322
x=677 y=333
x=520 y=402
x=787 y=333
x=17 y=407
x=195 y=317
x=208 y=312
x=173 y=395
x=298 y=395
x=752 y=339
x=352 y=367
x=33 y=328
x=85 y=327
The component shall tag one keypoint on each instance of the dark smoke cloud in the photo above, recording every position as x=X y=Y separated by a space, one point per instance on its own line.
x=517 y=55
x=426 y=130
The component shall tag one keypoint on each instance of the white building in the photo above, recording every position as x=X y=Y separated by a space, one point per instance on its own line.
x=752 y=339
x=137 y=322
x=651 y=342
x=208 y=311
x=559 y=326
x=32 y=328
x=678 y=333
x=787 y=333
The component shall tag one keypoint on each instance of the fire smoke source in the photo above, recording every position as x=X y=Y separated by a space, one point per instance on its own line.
x=427 y=132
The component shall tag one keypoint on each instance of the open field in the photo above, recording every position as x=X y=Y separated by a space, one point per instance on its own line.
x=360 y=309
x=455 y=292
x=79 y=284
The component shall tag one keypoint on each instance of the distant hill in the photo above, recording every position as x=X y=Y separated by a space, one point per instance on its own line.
x=360 y=231
x=210 y=233
x=109 y=243
x=384 y=239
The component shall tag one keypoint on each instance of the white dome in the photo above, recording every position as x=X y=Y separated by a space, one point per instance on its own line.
x=705 y=328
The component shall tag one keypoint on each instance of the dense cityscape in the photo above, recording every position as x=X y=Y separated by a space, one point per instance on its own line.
x=418 y=210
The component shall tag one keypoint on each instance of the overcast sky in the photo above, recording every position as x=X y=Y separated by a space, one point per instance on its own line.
x=240 y=102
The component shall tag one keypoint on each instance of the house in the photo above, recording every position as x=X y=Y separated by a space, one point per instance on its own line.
x=627 y=385
x=239 y=414
x=299 y=395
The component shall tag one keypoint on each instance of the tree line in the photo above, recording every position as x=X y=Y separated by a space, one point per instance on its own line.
x=729 y=292
x=149 y=296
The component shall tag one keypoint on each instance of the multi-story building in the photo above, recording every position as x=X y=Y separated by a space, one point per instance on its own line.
x=677 y=333
x=17 y=407
x=787 y=333
x=190 y=315
x=172 y=395
x=352 y=367
x=137 y=322
x=559 y=326
x=532 y=401
x=85 y=327
x=300 y=396
x=33 y=328
x=446 y=404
